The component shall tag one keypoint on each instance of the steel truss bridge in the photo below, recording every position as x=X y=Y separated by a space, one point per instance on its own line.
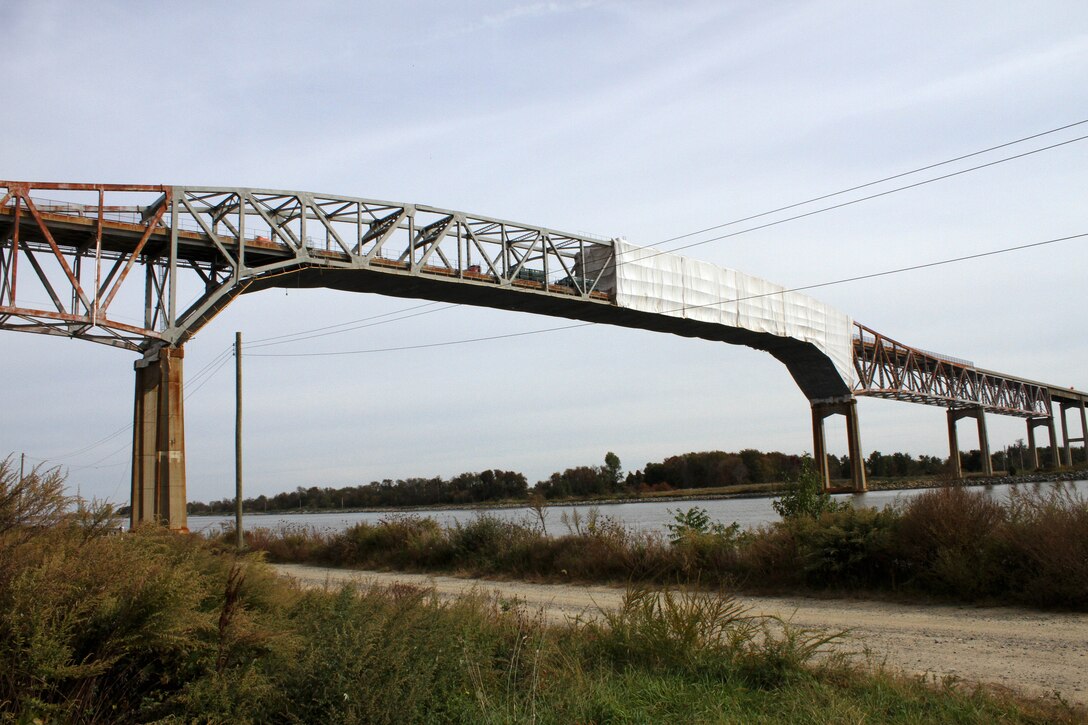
x=68 y=252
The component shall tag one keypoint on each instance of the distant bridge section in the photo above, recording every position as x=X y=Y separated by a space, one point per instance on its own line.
x=889 y=369
x=68 y=252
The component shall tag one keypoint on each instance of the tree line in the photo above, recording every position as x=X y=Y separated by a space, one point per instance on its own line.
x=706 y=469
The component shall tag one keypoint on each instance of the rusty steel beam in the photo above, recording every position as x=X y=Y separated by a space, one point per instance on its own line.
x=889 y=369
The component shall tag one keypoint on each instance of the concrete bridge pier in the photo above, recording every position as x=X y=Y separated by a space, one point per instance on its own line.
x=1067 y=454
x=1067 y=450
x=976 y=412
x=1084 y=428
x=1034 y=423
x=158 y=441
x=849 y=409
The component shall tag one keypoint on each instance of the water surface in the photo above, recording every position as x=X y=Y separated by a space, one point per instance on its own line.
x=642 y=515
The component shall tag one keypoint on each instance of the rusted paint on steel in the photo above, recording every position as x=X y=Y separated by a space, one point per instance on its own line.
x=889 y=369
x=134 y=255
x=15 y=251
x=65 y=186
x=56 y=250
x=98 y=257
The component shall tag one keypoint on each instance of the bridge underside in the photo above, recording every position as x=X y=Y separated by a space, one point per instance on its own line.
x=810 y=368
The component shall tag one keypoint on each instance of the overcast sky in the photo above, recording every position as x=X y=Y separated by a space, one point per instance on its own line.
x=647 y=120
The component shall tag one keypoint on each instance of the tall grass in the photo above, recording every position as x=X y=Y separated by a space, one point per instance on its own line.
x=953 y=543
x=156 y=627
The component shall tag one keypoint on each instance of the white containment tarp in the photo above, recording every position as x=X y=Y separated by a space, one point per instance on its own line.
x=647 y=280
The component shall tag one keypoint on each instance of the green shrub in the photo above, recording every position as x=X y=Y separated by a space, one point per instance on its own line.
x=485 y=542
x=805 y=496
x=397 y=541
x=847 y=548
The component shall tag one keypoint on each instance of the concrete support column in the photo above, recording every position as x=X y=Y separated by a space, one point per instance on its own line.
x=853 y=442
x=849 y=409
x=1034 y=423
x=976 y=412
x=1067 y=452
x=954 y=445
x=1055 y=454
x=1084 y=429
x=819 y=447
x=158 y=442
x=984 y=444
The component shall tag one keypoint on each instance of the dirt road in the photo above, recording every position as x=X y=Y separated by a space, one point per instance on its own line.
x=1035 y=652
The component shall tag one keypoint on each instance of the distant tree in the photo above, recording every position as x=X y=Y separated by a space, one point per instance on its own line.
x=612 y=465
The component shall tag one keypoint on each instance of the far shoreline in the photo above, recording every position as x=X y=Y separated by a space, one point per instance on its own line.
x=746 y=491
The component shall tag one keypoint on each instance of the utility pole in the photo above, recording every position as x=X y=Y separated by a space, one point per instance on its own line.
x=22 y=467
x=239 y=541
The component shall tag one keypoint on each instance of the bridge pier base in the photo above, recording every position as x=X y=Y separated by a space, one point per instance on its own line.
x=976 y=412
x=849 y=409
x=1034 y=423
x=158 y=442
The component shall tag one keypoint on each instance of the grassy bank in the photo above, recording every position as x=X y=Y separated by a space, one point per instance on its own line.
x=151 y=626
x=950 y=543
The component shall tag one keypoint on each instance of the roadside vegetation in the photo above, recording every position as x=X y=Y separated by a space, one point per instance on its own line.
x=149 y=626
x=950 y=543
x=745 y=472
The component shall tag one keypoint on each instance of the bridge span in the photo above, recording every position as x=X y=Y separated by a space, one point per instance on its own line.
x=198 y=248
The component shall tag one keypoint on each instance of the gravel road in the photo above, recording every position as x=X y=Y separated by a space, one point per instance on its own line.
x=1037 y=653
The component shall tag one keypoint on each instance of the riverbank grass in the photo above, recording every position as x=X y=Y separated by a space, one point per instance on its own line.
x=951 y=543
x=150 y=626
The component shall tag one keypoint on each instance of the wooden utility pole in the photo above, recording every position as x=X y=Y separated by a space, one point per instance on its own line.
x=239 y=541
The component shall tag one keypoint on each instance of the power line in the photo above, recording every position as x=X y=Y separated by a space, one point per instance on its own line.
x=100 y=460
x=340 y=324
x=193 y=390
x=299 y=337
x=202 y=373
x=840 y=205
x=870 y=183
x=306 y=334
x=844 y=280
x=418 y=347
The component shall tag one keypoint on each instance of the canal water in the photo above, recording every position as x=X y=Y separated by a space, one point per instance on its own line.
x=642 y=515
